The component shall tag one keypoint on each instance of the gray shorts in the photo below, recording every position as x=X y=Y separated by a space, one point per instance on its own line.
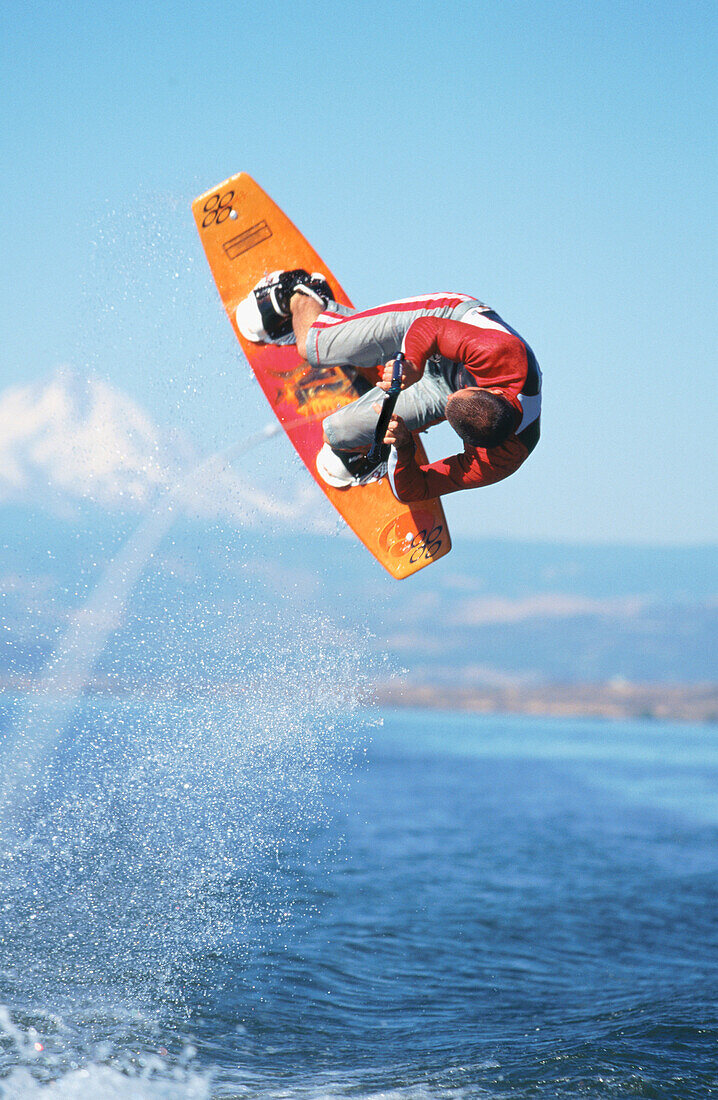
x=419 y=406
x=363 y=339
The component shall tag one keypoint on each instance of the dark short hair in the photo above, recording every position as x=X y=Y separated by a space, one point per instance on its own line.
x=481 y=418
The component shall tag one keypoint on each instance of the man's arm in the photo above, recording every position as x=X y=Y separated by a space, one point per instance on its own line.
x=470 y=470
x=494 y=357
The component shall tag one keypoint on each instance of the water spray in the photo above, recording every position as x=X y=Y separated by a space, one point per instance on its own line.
x=43 y=719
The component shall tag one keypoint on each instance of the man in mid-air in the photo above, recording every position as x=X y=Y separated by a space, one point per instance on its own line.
x=462 y=364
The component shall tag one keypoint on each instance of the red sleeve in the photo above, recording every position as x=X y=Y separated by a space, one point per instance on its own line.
x=475 y=467
x=495 y=358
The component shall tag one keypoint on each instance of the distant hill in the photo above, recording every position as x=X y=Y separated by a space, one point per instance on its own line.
x=82 y=468
x=491 y=612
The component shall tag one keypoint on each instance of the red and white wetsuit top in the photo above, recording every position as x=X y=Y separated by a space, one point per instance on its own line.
x=494 y=358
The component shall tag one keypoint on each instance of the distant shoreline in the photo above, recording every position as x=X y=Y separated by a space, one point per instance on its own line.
x=615 y=699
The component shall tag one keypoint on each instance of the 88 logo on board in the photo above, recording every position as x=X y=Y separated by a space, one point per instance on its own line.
x=217 y=209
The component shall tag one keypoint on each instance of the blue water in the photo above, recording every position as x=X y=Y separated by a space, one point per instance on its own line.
x=227 y=898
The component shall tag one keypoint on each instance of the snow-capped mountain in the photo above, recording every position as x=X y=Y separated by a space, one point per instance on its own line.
x=70 y=440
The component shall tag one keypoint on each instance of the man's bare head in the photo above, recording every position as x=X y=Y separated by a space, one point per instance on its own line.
x=481 y=417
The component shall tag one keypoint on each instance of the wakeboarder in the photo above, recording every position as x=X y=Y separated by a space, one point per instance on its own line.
x=462 y=363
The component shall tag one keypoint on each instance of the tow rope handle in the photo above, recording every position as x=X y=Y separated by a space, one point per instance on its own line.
x=387 y=408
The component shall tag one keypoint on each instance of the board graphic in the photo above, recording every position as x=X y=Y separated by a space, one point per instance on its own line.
x=245 y=236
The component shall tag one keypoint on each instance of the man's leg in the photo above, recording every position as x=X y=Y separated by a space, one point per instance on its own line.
x=352 y=427
x=304 y=312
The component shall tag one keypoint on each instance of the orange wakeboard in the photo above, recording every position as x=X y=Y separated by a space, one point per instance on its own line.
x=245 y=236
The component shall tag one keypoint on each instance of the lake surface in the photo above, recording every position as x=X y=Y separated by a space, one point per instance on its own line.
x=212 y=898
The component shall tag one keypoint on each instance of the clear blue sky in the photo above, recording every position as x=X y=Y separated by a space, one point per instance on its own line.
x=553 y=158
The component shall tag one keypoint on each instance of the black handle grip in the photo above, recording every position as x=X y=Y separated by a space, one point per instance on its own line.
x=396 y=375
x=387 y=409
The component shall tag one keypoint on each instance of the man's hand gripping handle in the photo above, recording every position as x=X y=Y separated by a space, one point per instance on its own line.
x=387 y=408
